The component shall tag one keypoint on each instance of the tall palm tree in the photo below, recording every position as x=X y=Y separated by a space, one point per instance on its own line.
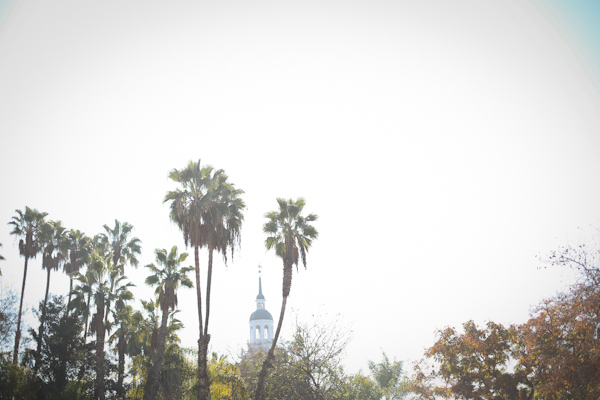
x=167 y=278
x=80 y=247
x=55 y=250
x=208 y=210
x=122 y=249
x=290 y=234
x=26 y=225
x=82 y=293
x=106 y=285
x=123 y=319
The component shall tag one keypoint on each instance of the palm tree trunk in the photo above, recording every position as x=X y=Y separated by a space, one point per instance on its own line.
x=70 y=292
x=41 y=331
x=160 y=351
x=198 y=291
x=203 y=384
x=121 y=373
x=268 y=363
x=87 y=318
x=208 y=285
x=112 y=288
x=100 y=347
x=203 y=381
x=18 y=332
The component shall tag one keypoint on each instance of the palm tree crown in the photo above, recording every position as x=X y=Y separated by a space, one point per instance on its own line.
x=289 y=233
x=27 y=225
x=123 y=250
x=168 y=278
x=207 y=208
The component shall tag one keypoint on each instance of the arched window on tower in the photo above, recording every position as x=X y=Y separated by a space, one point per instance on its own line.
x=258 y=333
x=267 y=336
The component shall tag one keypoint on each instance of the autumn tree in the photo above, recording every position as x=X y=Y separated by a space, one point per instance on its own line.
x=560 y=344
x=474 y=364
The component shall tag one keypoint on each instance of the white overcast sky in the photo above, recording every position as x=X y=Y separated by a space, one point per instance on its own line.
x=444 y=145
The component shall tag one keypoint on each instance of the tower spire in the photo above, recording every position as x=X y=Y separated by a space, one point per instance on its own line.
x=261 y=321
x=260 y=293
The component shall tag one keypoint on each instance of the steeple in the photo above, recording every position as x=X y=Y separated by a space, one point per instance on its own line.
x=260 y=295
x=261 y=321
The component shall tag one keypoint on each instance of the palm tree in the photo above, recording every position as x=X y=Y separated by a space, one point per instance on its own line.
x=290 y=235
x=26 y=225
x=79 y=254
x=167 y=280
x=106 y=285
x=123 y=319
x=82 y=293
x=122 y=249
x=55 y=247
x=208 y=210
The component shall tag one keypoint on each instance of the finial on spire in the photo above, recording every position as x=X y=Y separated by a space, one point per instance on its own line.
x=260 y=294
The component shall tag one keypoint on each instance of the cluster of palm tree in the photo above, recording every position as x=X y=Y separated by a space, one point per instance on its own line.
x=208 y=209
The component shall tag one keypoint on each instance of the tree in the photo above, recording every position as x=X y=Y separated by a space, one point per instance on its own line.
x=290 y=234
x=309 y=366
x=560 y=344
x=208 y=211
x=167 y=280
x=360 y=387
x=8 y=319
x=473 y=365
x=54 y=252
x=106 y=284
x=389 y=377
x=82 y=293
x=314 y=352
x=226 y=380
x=178 y=375
x=62 y=353
x=79 y=247
x=26 y=225
x=123 y=320
x=122 y=250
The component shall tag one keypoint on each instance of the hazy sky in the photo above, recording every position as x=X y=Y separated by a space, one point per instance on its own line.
x=444 y=145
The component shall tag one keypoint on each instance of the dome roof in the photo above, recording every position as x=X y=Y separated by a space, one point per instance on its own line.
x=261 y=313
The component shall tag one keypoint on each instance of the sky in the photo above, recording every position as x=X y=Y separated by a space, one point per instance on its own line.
x=445 y=146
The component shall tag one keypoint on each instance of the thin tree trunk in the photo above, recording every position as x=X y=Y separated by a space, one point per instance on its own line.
x=41 y=331
x=268 y=363
x=70 y=292
x=18 y=332
x=203 y=381
x=198 y=291
x=112 y=288
x=100 y=348
x=121 y=348
x=203 y=385
x=160 y=352
x=208 y=285
x=87 y=318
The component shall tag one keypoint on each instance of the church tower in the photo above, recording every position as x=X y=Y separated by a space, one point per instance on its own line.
x=261 y=322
